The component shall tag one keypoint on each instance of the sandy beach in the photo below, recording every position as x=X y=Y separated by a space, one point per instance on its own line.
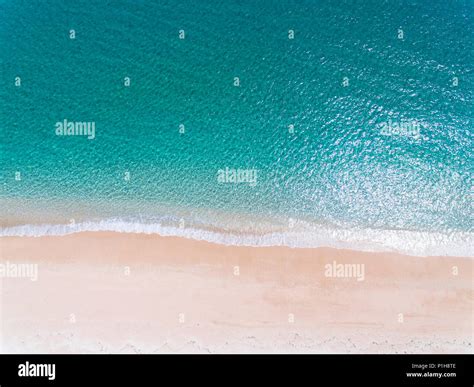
x=105 y=292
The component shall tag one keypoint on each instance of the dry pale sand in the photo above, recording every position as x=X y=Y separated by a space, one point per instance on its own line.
x=111 y=292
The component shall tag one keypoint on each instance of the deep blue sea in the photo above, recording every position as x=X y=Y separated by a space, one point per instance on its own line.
x=300 y=123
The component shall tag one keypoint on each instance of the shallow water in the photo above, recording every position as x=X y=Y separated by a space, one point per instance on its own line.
x=313 y=120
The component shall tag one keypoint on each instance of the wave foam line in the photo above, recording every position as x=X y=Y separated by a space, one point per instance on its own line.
x=406 y=242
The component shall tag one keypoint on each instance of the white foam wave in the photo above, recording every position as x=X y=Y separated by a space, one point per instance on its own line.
x=406 y=242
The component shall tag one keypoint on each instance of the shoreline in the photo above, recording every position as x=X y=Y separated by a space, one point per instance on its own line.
x=122 y=292
x=411 y=243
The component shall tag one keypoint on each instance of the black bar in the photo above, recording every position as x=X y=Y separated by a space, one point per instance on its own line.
x=291 y=370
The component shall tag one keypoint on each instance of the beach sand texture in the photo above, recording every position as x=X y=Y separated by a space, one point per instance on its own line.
x=107 y=292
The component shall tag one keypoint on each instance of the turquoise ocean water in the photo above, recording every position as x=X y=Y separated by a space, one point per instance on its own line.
x=308 y=117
